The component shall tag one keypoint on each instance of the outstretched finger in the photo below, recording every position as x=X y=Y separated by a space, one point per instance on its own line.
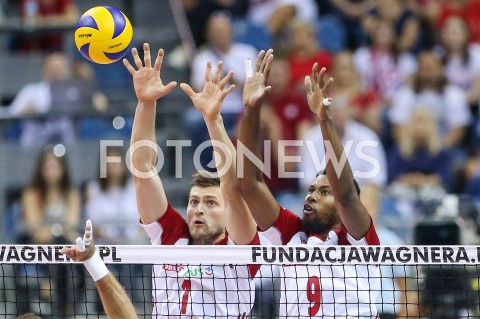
x=226 y=79
x=265 y=59
x=88 y=236
x=321 y=81
x=129 y=67
x=208 y=72
x=136 y=58
x=327 y=85
x=260 y=56
x=218 y=72
x=80 y=244
x=308 y=84
x=159 y=60
x=227 y=90
x=146 y=55
x=170 y=86
x=315 y=73
x=266 y=72
x=188 y=90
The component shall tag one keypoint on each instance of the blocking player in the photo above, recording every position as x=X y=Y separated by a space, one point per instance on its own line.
x=333 y=214
x=187 y=290
x=115 y=300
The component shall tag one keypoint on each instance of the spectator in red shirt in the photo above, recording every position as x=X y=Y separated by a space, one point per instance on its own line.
x=287 y=117
x=468 y=10
x=366 y=104
x=45 y=13
x=303 y=52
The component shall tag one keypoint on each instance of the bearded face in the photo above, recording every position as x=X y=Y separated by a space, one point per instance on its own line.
x=206 y=215
x=319 y=213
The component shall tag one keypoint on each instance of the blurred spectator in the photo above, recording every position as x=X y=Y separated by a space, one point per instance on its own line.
x=430 y=89
x=426 y=12
x=462 y=59
x=350 y=14
x=287 y=118
x=418 y=160
x=51 y=211
x=277 y=14
x=45 y=13
x=37 y=98
x=363 y=148
x=111 y=204
x=198 y=12
x=471 y=178
x=367 y=105
x=382 y=66
x=220 y=47
x=405 y=23
x=51 y=204
x=392 y=299
x=468 y=10
x=303 y=51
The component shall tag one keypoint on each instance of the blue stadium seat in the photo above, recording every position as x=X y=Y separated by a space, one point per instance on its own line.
x=331 y=33
x=256 y=35
x=102 y=128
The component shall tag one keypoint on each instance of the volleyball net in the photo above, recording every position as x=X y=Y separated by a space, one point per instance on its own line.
x=291 y=281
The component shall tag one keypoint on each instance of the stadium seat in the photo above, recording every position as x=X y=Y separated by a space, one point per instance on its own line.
x=256 y=35
x=331 y=33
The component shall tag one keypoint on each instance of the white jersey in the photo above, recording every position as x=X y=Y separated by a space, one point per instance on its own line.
x=343 y=291
x=197 y=291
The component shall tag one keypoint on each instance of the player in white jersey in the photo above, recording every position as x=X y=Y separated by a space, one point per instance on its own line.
x=333 y=215
x=216 y=213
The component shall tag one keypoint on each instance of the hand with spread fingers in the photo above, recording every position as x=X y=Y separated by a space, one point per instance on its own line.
x=255 y=90
x=146 y=79
x=317 y=92
x=209 y=101
x=85 y=247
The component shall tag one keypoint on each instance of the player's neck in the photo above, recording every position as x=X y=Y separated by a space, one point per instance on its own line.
x=208 y=239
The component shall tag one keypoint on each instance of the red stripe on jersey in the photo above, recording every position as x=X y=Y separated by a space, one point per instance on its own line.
x=253 y=269
x=288 y=223
x=223 y=241
x=371 y=236
x=342 y=236
x=174 y=226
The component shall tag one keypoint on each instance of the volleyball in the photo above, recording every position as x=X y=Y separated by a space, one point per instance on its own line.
x=103 y=34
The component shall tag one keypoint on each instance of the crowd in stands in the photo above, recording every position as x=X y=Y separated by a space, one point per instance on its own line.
x=407 y=82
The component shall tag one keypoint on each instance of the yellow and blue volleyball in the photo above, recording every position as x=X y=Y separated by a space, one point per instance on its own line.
x=103 y=34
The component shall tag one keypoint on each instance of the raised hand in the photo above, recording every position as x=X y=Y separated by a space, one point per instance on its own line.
x=85 y=247
x=255 y=92
x=317 y=91
x=146 y=80
x=209 y=101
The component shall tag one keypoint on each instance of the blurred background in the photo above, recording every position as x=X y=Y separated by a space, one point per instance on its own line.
x=407 y=77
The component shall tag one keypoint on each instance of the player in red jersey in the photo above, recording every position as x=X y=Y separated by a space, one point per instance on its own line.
x=214 y=206
x=333 y=214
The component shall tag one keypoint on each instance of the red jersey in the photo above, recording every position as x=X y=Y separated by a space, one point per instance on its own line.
x=197 y=291
x=324 y=291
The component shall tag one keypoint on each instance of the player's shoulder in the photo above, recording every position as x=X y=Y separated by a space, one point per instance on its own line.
x=300 y=238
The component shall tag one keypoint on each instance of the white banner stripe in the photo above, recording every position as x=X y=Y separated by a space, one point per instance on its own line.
x=324 y=255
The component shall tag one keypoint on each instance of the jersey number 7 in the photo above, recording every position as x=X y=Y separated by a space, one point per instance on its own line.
x=186 y=286
x=314 y=295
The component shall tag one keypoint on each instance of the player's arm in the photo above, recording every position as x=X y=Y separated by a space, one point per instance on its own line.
x=353 y=214
x=151 y=199
x=115 y=300
x=261 y=202
x=239 y=222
